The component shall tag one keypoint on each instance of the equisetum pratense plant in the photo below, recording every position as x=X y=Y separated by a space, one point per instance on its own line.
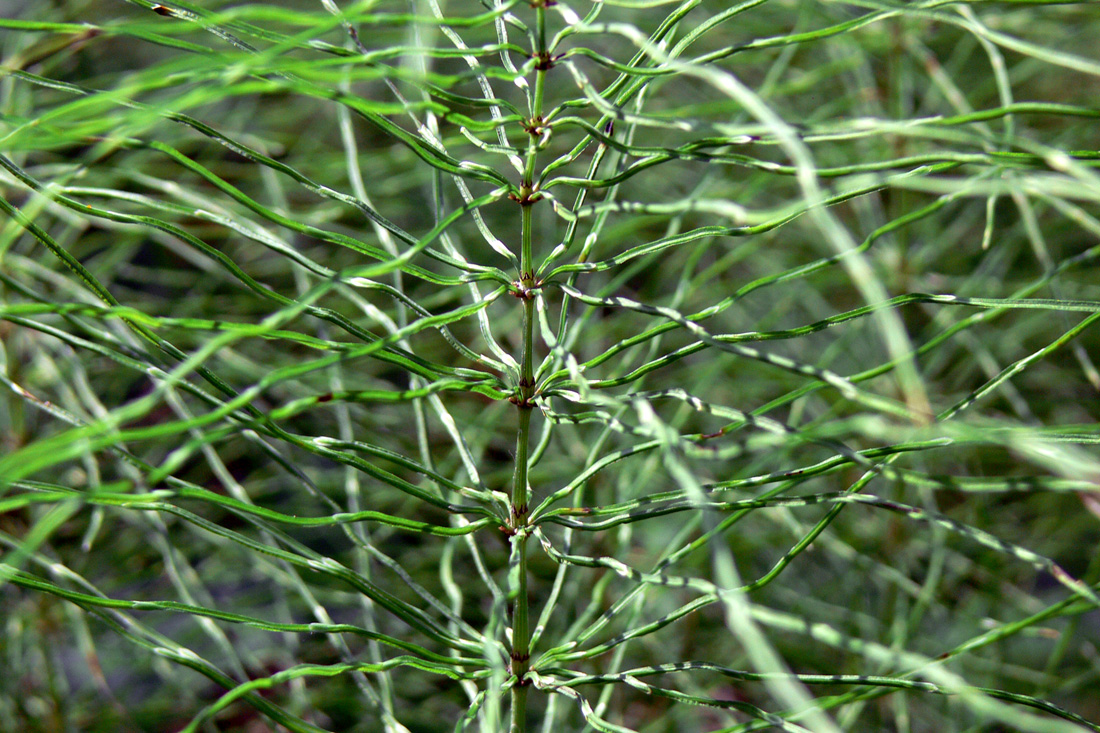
x=630 y=528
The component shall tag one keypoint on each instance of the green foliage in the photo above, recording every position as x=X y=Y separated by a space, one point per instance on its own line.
x=647 y=365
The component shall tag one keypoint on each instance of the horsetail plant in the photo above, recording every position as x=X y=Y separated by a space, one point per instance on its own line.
x=622 y=365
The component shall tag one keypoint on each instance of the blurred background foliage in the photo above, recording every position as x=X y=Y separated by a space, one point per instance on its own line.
x=986 y=228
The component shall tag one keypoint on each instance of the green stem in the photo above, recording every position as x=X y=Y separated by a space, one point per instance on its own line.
x=521 y=625
x=521 y=631
x=526 y=259
x=521 y=634
x=540 y=83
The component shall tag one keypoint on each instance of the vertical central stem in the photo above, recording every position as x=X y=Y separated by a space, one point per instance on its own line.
x=521 y=633
x=521 y=624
